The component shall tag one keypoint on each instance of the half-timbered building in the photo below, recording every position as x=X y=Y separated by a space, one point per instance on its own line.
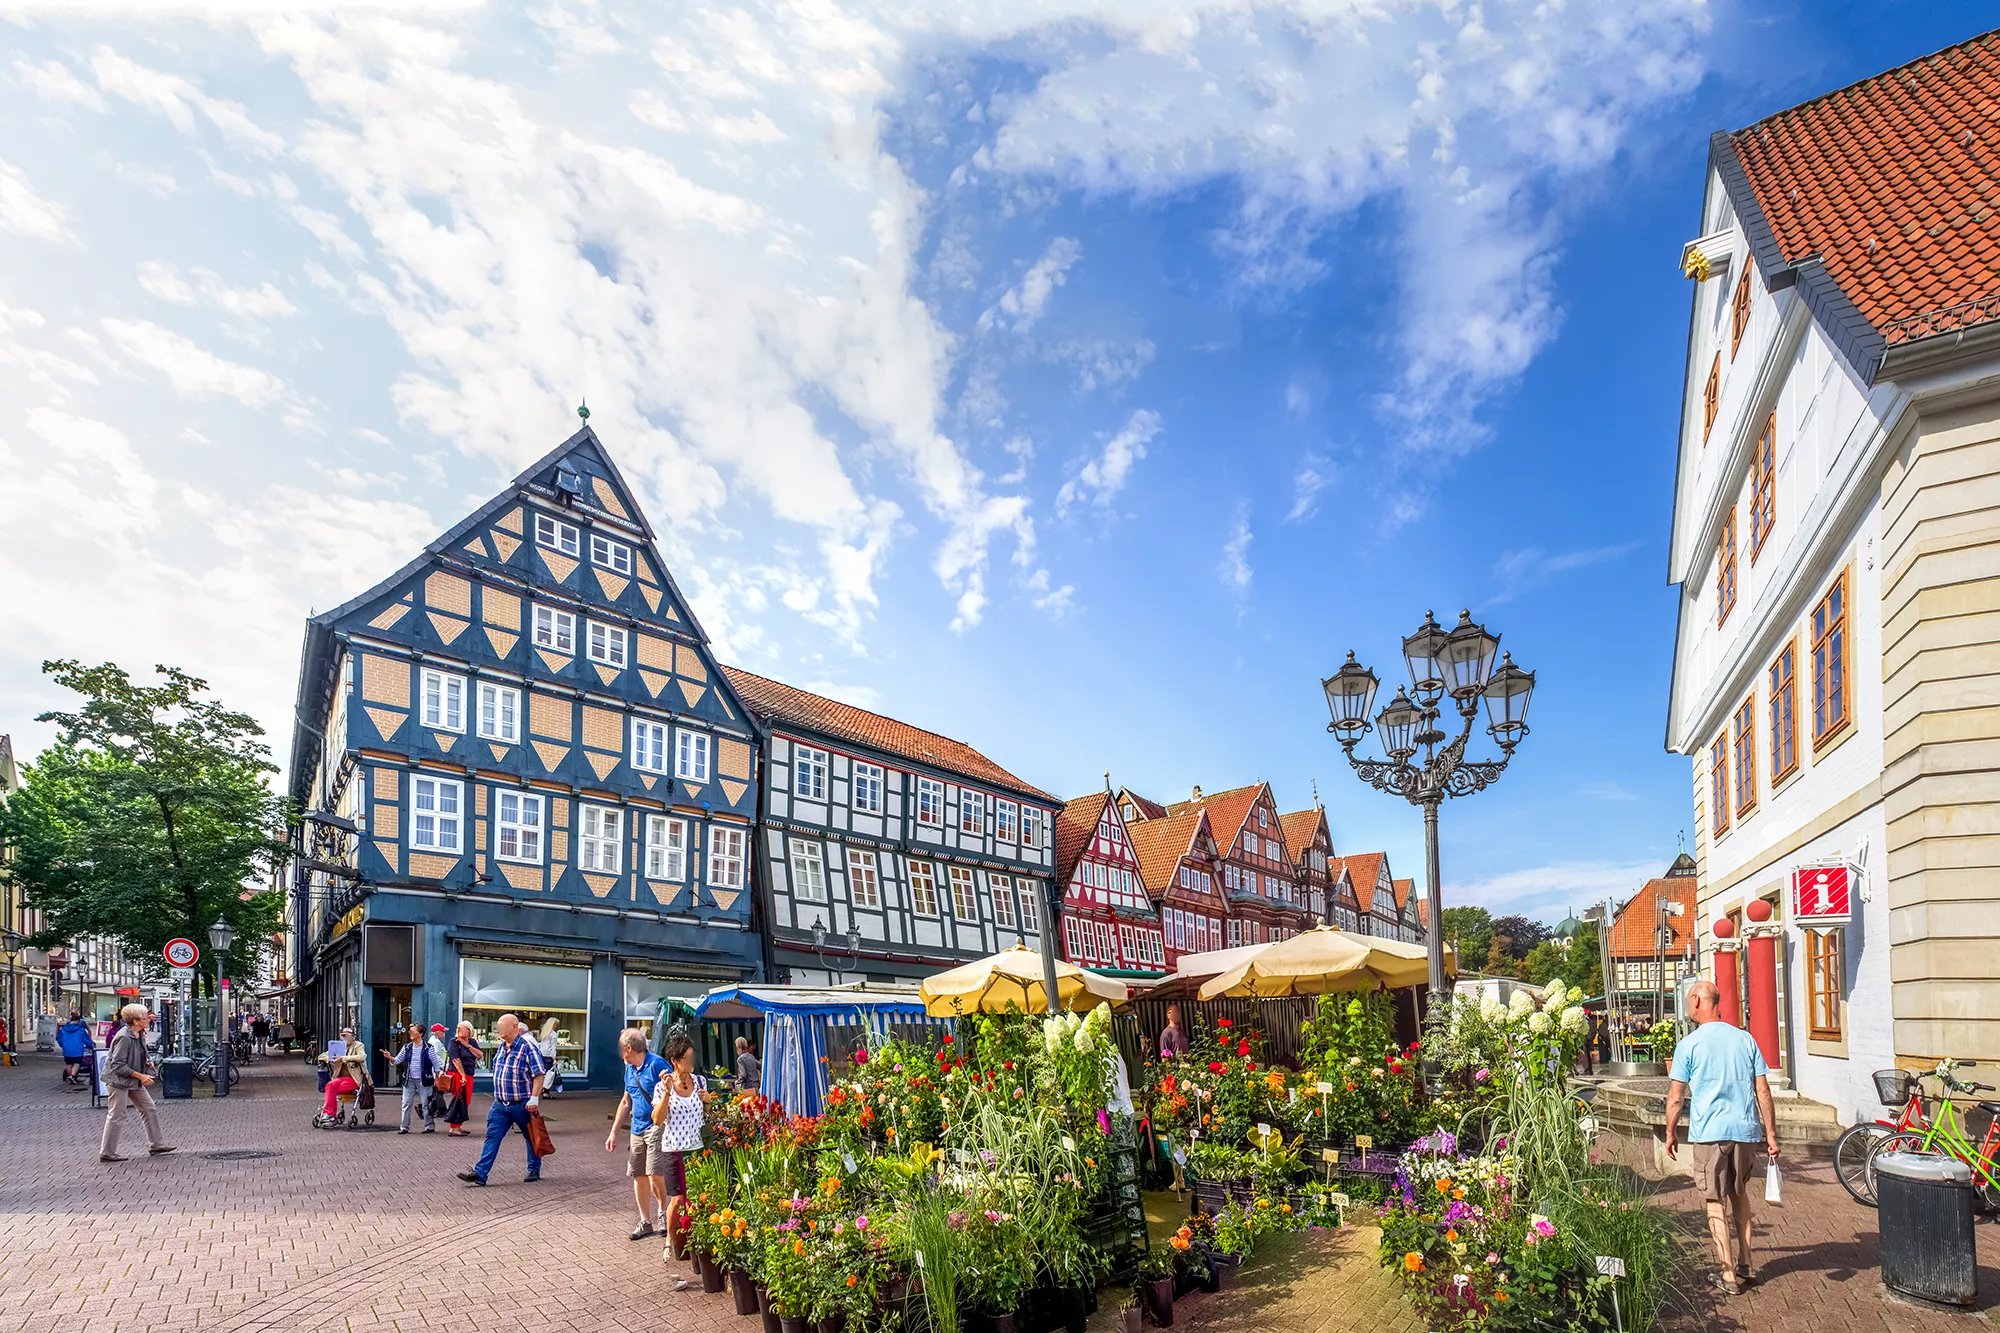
x=1310 y=843
x=1264 y=902
x=523 y=784
x=1182 y=871
x=889 y=852
x=1374 y=892
x=1108 y=920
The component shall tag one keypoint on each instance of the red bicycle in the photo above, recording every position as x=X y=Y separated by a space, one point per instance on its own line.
x=1898 y=1088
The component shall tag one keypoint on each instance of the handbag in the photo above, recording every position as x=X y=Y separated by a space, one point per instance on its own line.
x=538 y=1134
x=1774 y=1192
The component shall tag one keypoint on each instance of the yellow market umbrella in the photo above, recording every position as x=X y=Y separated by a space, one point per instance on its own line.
x=1012 y=979
x=1324 y=960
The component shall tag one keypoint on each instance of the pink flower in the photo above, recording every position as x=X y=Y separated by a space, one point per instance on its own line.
x=1544 y=1228
x=1482 y=1076
x=861 y=1223
x=1492 y=1258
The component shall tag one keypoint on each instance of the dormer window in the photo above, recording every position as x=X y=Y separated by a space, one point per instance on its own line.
x=610 y=555
x=557 y=535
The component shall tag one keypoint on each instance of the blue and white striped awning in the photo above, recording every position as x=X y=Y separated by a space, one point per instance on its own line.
x=795 y=1023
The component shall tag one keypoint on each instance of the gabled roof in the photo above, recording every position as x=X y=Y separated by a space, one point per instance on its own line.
x=774 y=701
x=1145 y=807
x=1227 y=810
x=1076 y=825
x=1400 y=890
x=1875 y=200
x=1632 y=933
x=1161 y=843
x=1364 y=869
x=1299 y=827
x=10 y=775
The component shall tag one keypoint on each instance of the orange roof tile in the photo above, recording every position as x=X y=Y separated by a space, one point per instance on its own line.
x=775 y=701
x=1400 y=890
x=1226 y=811
x=1160 y=844
x=1146 y=808
x=1076 y=823
x=1632 y=932
x=1889 y=182
x=1364 y=869
x=1299 y=827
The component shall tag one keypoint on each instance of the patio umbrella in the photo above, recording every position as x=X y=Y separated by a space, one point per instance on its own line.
x=1012 y=979
x=1324 y=960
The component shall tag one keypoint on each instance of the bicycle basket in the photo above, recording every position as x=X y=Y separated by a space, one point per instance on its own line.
x=1894 y=1086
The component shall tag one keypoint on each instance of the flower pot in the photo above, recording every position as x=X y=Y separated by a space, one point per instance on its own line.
x=793 y=1323
x=1130 y=1319
x=741 y=1291
x=1222 y=1270
x=1159 y=1301
x=772 y=1324
x=833 y=1323
x=712 y=1278
x=995 y=1323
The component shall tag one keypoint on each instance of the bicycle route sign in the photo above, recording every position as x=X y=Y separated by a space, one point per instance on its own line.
x=181 y=953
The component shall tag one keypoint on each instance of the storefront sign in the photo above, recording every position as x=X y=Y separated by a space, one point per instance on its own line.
x=1822 y=895
x=348 y=922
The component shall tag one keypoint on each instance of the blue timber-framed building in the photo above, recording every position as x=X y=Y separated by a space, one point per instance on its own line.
x=522 y=784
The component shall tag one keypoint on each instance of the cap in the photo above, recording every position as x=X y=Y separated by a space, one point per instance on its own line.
x=437 y=1027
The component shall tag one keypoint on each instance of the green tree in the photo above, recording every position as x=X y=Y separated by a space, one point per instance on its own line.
x=1582 y=969
x=1470 y=930
x=1543 y=964
x=148 y=818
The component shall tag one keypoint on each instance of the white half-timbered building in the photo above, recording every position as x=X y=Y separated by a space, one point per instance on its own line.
x=886 y=851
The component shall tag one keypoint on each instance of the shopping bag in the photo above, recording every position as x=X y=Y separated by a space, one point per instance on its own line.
x=1773 y=1186
x=538 y=1134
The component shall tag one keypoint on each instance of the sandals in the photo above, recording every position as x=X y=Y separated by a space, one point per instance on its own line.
x=1726 y=1283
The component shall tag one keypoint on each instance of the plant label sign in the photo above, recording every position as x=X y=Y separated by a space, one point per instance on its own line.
x=1069 y=1144
x=1263 y=1130
x=1610 y=1265
x=1339 y=1200
x=847 y=1160
x=1326 y=1089
x=1180 y=1157
x=1331 y=1155
x=1363 y=1142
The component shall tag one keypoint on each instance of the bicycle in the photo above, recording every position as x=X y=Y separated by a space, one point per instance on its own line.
x=1943 y=1136
x=204 y=1068
x=1896 y=1087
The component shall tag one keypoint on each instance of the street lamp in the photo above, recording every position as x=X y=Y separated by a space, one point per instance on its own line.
x=220 y=937
x=1454 y=666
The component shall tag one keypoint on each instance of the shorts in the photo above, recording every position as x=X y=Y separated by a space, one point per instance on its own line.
x=1725 y=1169
x=675 y=1170
x=642 y=1154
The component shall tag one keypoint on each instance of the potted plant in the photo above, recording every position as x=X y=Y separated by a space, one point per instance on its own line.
x=1129 y=1313
x=1229 y=1244
x=1156 y=1283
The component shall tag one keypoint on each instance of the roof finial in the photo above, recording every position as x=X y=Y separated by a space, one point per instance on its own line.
x=1107 y=779
x=1315 y=786
x=583 y=410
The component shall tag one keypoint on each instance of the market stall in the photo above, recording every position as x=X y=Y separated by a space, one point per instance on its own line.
x=810 y=1033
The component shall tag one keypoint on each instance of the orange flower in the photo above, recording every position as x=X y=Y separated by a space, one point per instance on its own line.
x=798 y=1247
x=1413 y=1262
x=1179 y=1242
x=1458 y=1193
x=1451 y=1235
x=1500 y=1296
x=851 y=1279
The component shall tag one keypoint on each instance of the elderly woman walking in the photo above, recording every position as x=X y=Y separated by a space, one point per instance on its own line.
x=129 y=1070
x=463 y=1064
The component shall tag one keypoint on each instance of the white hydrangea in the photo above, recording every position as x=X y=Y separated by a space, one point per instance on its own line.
x=1052 y=1034
x=1555 y=997
x=1522 y=1004
x=1083 y=1039
x=1538 y=1022
x=1573 y=1020
x=1492 y=1010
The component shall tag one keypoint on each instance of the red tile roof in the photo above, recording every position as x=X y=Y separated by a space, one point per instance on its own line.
x=1147 y=809
x=1226 y=811
x=1632 y=932
x=1400 y=889
x=1890 y=183
x=1364 y=869
x=1076 y=824
x=778 y=702
x=1160 y=844
x=1299 y=827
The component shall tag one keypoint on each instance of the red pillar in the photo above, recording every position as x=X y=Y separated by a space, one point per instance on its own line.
x=1763 y=977
x=1725 y=971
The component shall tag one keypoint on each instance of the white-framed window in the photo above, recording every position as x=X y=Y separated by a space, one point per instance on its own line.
x=517 y=817
x=600 y=842
x=1003 y=820
x=808 y=873
x=971 y=812
x=444 y=701
x=436 y=814
x=610 y=555
x=606 y=643
x=725 y=857
x=964 y=903
x=809 y=769
x=666 y=847
x=649 y=745
x=691 y=755
x=1003 y=900
x=1031 y=908
x=1069 y=939
x=555 y=533
x=923 y=888
x=499 y=712
x=1125 y=948
x=555 y=630
x=930 y=802
x=1031 y=828
x=868 y=783
x=864 y=885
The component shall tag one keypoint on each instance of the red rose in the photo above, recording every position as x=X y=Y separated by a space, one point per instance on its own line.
x=1217 y=1067
x=1251 y=1067
x=1243 y=1049
x=948 y=1039
x=860 y=1056
x=1224 y=1023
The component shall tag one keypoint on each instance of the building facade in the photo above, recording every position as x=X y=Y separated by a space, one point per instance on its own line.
x=927 y=851
x=25 y=993
x=1109 y=922
x=1182 y=870
x=1836 y=542
x=1310 y=842
x=1265 y=904
x=524 y=784
x=1651 y=945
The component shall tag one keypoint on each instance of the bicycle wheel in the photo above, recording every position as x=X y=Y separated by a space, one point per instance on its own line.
x=235 y=1073
x=1897 y=1142
x=205 y=1073
x=1850 y=1160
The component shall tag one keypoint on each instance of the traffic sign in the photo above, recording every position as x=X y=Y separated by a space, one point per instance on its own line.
x=181 y=974
x=181 y=953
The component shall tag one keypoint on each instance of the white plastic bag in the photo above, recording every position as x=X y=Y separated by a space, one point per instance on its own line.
x=1774 y=1192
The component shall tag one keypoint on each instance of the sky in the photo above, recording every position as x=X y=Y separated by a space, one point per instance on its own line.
x=1080 y=380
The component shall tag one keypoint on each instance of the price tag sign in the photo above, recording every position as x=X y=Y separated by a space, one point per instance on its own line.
x=847 y=1160
x=1180 y=1157
x=1340 y=1201
x=1363 y=1142
x=1263 y=1130
x=1330 y=1155
x=1069 y=1144
x=920 y=1258
x=1291 y=1096
x=1326 y=1089
x=1610 y=1265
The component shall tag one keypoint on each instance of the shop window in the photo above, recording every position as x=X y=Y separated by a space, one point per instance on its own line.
x=434 y=813
x=808 y=872
x=518 y=820
x=1002 y=889
x=666 y=847
x=923 y=888
x=864 y=885
x=725 y=858
x=600 y=839
x=543 y=997
x=1824 y=981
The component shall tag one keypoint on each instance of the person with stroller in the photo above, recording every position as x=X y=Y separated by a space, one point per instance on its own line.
x=417 y=1067
x=78 y=1050
x=347 y=1071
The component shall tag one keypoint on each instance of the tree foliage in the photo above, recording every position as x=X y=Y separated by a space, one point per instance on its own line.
x=148 y=818
x=1470 y=930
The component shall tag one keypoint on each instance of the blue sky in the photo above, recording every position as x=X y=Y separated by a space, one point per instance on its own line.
x=1080 y=380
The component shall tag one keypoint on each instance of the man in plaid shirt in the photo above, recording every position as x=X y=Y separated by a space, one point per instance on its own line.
x=518 y=1071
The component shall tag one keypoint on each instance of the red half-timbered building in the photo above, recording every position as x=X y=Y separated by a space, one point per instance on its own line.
x=1264 y=902
x=1183 y=873
x=1108 y=918
x=1310 y=843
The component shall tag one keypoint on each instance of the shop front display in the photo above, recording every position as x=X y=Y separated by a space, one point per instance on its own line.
x=548 y=999
x=645 y=996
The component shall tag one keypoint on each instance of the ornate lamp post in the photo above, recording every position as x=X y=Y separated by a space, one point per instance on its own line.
x=220 y=937
x=1447 y=668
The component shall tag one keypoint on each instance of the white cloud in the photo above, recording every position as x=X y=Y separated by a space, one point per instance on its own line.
x=57 y=82
x=1521 y=571
x=178 y=99
x=1058 y=602
x=26 y=213
x=1104 y=476
x=193 y=371
x=1605 y=791
x=163 y=279
x=1022 y=304
x=1235 y=567
x=1101 y=363
x=1306 y=486
x=1538 y=891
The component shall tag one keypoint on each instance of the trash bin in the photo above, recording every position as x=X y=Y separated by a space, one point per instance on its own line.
x=1926 y=1212
x=177 y=1076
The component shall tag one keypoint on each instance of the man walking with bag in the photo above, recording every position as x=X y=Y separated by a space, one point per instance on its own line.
x=128 y=1069
x=1719 y=1068
x=518 y=1071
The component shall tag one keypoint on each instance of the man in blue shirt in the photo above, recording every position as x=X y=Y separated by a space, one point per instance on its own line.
x=643 y=1159
x=518 y=1071
x=1719 y=1067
